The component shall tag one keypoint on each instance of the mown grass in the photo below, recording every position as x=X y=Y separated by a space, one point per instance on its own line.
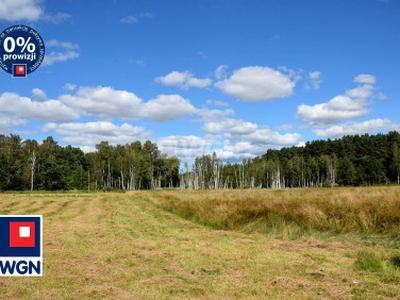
x=128 y=246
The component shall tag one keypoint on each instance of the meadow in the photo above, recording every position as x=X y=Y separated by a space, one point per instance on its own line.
x=340 y=243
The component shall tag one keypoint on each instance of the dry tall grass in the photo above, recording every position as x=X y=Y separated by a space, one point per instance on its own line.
x=372 y=210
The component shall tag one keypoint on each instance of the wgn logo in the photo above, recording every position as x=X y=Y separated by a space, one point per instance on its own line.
x=21 y=246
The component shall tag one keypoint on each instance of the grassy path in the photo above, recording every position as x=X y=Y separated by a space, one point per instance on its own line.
x=122 y=246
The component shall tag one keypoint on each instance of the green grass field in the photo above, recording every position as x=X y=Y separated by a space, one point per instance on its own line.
x=294 y=244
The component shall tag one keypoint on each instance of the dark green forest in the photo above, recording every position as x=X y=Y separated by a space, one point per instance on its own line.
x=348 y=161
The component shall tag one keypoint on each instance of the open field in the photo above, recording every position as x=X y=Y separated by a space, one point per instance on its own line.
x=310 y=243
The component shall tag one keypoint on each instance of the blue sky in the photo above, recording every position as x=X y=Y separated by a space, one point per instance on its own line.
x=236 y=77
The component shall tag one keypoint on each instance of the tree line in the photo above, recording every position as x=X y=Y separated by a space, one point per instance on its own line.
x=28 y=165
x=348 y=161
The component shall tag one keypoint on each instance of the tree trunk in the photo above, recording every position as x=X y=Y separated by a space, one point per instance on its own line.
x=33 y=161
x=109 y=179
x=122 y=178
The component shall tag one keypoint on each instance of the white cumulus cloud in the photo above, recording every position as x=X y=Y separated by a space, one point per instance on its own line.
x=243 y=139
x=167 y=107
x=351 y=105
x=231 y=126
x=239 y=150
x=108 y=103
x=338 y=109
x=8 y=123
x=256 y=84
x=15 y=10
x=187 y=148
x=352 y=128
x=365 y=78
x=92 y=133
x=39 y=95
x=29 y=10
x=105 y=103
x=273 y=139
x=183 y=80
x=17 y=106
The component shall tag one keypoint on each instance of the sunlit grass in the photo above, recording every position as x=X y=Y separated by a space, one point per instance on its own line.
x=291 y=212
x=128 y=246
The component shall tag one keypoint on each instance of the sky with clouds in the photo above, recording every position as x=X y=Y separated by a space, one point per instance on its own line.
x=233 y=76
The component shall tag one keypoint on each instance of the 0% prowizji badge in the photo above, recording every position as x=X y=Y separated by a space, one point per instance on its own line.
x=21 y=50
